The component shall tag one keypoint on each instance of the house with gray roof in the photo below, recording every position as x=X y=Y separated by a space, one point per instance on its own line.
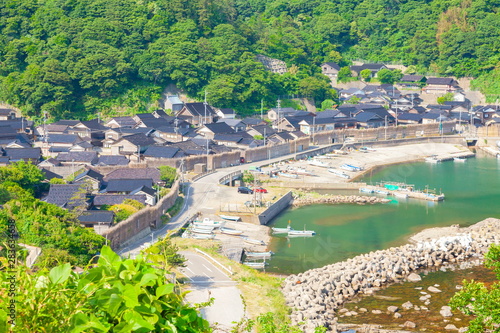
x=90 y=176
x=33 y=155
x=369 y=120
x=132 y=144
x=107 y=199
x=157 y=152
x=209 y=130
x=79 y=158
x=134 y=173
x=226 y=113
x=149 y=192
x=112 y=160
x=126 y=186
x=441 y=85
x=67 y=195
x=173 y=103
x=91 y=218
x=121 y=122
x=197 y=113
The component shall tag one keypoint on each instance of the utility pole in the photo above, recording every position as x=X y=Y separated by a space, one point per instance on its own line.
x=279 y=115
x=314 y=128
x=385 y=128
x=138 y=154
x=262 y=108
x=205 y=105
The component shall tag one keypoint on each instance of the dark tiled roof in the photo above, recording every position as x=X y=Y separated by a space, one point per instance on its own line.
x=448 y=81
x=6 y=112
x=56 y=149
x=227 y=111
x=112 y=160
x=139 y=139
x=143 y=116
x=231 y=122
x=156 y=122
x=96 y=216
x=49 y=174
x=220 y=128
x=145 y=189
x=89 y=173
x=237 y=137
x=21 y=153
x=198 y=109
x=62 y=138
x=127 y=185
x=66 y=122
x=333 y=65
x=134 y=173
x=78 y=156
x=265 y=128
x=7 y=132
x=367 y=116
x=52 y=161
x=116 y=199
x=18 y=123
x=252 y=121
x=61 y=194
x=410 y=116
x=412 y=78
x=124 y=121
x=161 y=151
x=172 y=129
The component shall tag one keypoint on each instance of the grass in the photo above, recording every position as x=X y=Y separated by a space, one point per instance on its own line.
x=261 y=292
x=174 y=210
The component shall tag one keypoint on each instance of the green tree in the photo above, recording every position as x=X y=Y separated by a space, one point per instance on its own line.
x=168 y=174
x=327 y=104
x=127 y=295
x=477 y=300
x=27 y=175
x=366 y=74
x=389 y=76
x=344 y=74
x=445 y=98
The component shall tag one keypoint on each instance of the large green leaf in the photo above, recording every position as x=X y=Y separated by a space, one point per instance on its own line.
x=108 y=256
x=165 y=289
x=148 y=279
x=60 y=274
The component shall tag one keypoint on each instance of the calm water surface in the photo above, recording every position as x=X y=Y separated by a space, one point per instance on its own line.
x=343 y=231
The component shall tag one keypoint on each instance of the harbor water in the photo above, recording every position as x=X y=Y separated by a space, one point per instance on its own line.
x=472 y=191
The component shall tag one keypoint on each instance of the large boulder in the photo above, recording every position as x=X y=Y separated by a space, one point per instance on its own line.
x=446 y=311
x=413 y=277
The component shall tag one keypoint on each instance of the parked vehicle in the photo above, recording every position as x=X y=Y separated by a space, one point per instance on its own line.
x=260 y=190
x=244 y=189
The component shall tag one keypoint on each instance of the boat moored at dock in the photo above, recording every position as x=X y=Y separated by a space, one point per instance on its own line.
x=253 y=241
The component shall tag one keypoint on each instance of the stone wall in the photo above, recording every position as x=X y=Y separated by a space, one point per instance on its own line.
x=268 y=152
x=147 y=218
x=276 y=208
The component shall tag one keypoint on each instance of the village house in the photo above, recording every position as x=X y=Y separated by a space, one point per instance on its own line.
x=96 y=218
x=68 y=196
x=131 y=144
x=77 y=158
x=374 y=69
x=91 y=177
x=369 y=120
x=412 y=81
x=159 y=152
x=115 y=199
x=210 y=130
x=226 y=113
x=197 y=113
x=7 y=114
x=441 y=85
x=33 y=155
x=173 y=103
x=331 y=70
x=121 y=122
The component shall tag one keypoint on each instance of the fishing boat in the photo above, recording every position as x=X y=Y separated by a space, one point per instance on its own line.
x=434 y=197
x=256 y=265
x=267 y=254
x=229 y=231
x=382 y=192
x=432 y=159
x=317 y=163
x=203 y=226
x=350 y=167
x=365 y=190
x=202 y=236
x=400 y=195
x=339 y=173
x=230 y=217
x=288 y=175
x=281 y=230
x=332 y=155
x=459 y=159
x=340 y=152
x=301 y=232
x=201 y=230
x=325 y=157
x=207 y=222
x=253 y=241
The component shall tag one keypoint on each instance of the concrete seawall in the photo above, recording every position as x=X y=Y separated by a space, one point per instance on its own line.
x=316 y=295
x=276 y=208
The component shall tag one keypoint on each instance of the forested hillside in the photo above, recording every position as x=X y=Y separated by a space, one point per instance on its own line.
x=73 y=58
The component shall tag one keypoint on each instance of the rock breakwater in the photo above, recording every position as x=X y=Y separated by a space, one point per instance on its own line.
x=337 y=199
x=315 y=295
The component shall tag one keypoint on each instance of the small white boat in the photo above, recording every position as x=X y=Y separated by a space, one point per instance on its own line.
x=202 y=236
x=340 y=152
x=317 y=163
x=332 y=155
x=351 y=168
x=323 y=157
x=207 y=221
x=256 y=265
x=301 y=233
x=288 y=175
x=230 y=217
x=400 y=195
x=459 y=159
x=382 y=192
x=339 y=173
x=253 y=241
x=201 y=231
x=365 y=190
x=230 y=231
x=267 y=254
x=281 y=230
x=432 y=159
x=203 y=226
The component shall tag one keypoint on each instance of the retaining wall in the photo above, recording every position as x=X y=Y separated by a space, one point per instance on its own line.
x=276 y=208
x=146 y=218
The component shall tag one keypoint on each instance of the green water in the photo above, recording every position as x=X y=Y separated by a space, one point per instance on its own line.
x=343 y=231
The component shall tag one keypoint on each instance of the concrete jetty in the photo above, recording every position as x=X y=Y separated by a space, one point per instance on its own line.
x=316 y=295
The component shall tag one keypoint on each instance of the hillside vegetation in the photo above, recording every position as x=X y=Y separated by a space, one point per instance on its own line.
x=73 y=58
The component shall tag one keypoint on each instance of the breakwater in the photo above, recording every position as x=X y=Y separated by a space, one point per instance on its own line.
x=316 y=295
x=337 y=199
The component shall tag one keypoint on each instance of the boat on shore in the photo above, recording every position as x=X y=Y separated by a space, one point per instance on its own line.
x=203 y=226
x=229 y=231
x=253 y=241
x=256 y=265
x=400 y=195
x=339 y=173
x=281 y=230
x=288 y=175
x=201 y=230
x=365 y=190
x=202 y=236
x=381 y=192
x=432 y=159
x=317 y=163
x=459 y=159
x=230 y=217
x=340 y=152
x=349 y=167
x=207 y=221
x=259 y=255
